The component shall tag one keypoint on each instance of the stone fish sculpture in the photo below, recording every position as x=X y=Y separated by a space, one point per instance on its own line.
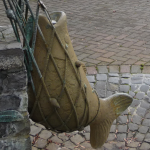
x=66 y=102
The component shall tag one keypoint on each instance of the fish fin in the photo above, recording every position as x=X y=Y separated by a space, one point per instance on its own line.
x=110 y=109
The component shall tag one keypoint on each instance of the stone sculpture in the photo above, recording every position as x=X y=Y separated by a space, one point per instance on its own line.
x=66 y=102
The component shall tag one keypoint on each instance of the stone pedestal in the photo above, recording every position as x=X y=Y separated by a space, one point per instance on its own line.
x=14 y=119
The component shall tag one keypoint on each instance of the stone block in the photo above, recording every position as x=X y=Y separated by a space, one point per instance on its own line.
x=125 y=81
x=143 y=129
x=132 y=126
x=144 y=88
x=101 y=77
x=114 y=80
x=141 y=111
x=102 y=69
x=101 y=88
x=124 y=88
x=135 y=69
x=114 y=69
x=91 y=79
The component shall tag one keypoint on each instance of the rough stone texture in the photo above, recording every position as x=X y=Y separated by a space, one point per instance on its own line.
x=101 y=77
x=13 y=94
x=102 y=69
x=101 y=88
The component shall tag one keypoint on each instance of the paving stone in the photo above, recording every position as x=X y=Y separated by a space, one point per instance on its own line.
x=102 y=69
x=134 y=87
x=87 y=145
x=45 y=134
x=126 y=75
x=122 y=119
x=136 y=119
x=109 y=146
x=146 y=98
x=87 y=129
x=133 y=144
x=148 y=93
x=91 y=70
x=113 y=129
x=87 y=136
x=92 y=85
x=130 y=134
x=100 y=87
x=121 y=137
x=63 y=137
x=139 y=137
x=111 y=137
x=125 y=81
x=114 y=69
x=69 y=144
x=140 y=95
x=120 y=145
x=135 y=103
x=125 y=112
x=112 y=87
x=132 y=94
x=147 y=81
x=141 y=111
x=136 y=80
x=147 y=116
x=145 y=146
x=144 y=88
x=77 y=139
x=143 y=129
x=101 y=77
x=109 y=93
x=135 y=69
x=34 y=130
x=56 y=139
x=52 y=146
x=125 y=69
x=41 y=143
x=91 y=78
x=145 y=105
x=40 y=125
x=133 y=126
x=131 y=110
x=146 y=122
x=124 y=88
x=114 y=80
x=34 y=148
x=146 y=70
x=122 y=128
x=113 y=74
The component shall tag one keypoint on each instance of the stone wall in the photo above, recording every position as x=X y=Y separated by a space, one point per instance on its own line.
x=14 y=119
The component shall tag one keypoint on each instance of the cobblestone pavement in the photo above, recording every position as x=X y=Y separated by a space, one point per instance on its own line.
x=130 y=131
x=104 y=32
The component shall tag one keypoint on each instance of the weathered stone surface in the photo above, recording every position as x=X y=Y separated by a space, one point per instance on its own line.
x=146 y=122
x=144 y=88
x=136 y=80
x=134 y=87
x=114 y=69
x=113 y=74
x=147 y=81
x=112 y=87
x=132 y=126
x=102 y=69
x=131 y=93
x=56 y=139
x=136 y=119
x=120 y=145
x=114 y=80
x=52 y=146
x=140 y=95
x=145 y=146
x=63 y=137
x=125 y=75
x=124 y=88
x=121 y=137
x=135 y=69
x=147 y=116
x=125 y=81
x=133 y=144
x=122 y=119
x=87 y=136
x=139 y=137
x=145 y=105
x=77 y=139
x=41 y=143
x=141 y=111
x=101 y=77
x=111 y=137
x=101 y=88
x=135 y=103
x=69 y=144
x=122 y=128
x=113 y=128
x=143 y=129
x=87 y=128
x=91 y=78
x=45 y=134
x=35 y=130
